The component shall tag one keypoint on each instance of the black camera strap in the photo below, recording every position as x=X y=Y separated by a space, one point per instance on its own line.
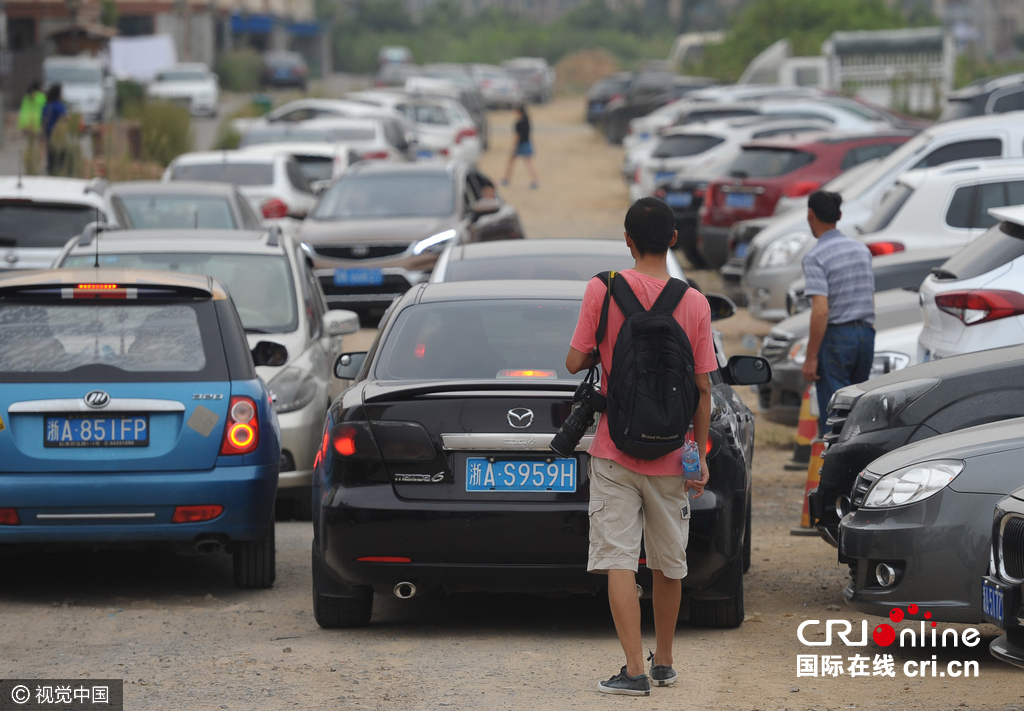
x=602 y=324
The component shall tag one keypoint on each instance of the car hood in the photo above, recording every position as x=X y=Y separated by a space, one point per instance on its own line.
x=992 y=438
x=387 y=231
x=79 y=93
x=893 y=308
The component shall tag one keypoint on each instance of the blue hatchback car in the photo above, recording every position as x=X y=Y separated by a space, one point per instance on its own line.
x=131 y=415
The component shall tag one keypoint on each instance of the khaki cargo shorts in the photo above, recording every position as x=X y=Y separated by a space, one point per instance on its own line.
x=624 y=506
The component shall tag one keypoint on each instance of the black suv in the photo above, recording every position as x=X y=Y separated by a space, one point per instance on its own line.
x=646 y=92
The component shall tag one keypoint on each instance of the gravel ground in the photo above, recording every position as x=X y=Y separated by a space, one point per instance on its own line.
x=182 y=637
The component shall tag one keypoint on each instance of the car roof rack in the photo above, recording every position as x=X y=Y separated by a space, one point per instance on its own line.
x=274 y=236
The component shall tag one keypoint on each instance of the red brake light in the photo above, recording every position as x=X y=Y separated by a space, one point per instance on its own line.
x=705 y=207
x=465 y=133
x=801 y=188
x=195 y=514
x=707 y=447
x=242 y=430
x=274 y=209
x=973 y=307
x=96 y=286
x=383 y=559
x=376 y=155
x=345 y=441
x=615 y=97
x=880 y=248
x=527 y=374
x=9 y=517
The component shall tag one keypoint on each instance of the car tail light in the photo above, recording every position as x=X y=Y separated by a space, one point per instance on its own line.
x=383 y=559
x=9 y=517
x=527 y=374
x=637 y=174
x=705 y=208
x=801 y=188
x=376 y=155
x=195 y=514
x=443 y=151
x=973 y=307
x=880 y=248
x=242 y=432
x=660 y=193
x=615 y=97
x=274 y=209
x=465 y=133
x=344 y=441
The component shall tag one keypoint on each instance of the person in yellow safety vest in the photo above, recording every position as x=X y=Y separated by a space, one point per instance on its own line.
x=30 y=123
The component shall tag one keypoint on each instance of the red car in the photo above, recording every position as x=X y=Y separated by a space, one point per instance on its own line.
x=767 y=170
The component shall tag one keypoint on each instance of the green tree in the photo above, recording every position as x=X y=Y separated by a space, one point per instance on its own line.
x=108 y=13
x=384 y=16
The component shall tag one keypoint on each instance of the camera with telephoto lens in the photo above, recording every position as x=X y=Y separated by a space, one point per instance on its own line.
x=585 y=403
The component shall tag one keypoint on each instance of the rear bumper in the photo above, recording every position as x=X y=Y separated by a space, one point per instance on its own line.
x=133 y=508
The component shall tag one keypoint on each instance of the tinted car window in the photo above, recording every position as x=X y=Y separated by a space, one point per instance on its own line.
x=179 y=211
x=964 y=150
x=989 y=196
x=1014 y=101
x=999 y=245
x=42 y=225
x=682 y=146
x=316 y=167
x=296 y=178
x=768 y=162
x=388 y=195
x=856 y=156
x=959 y=212
x=234 y=173
x=890 y=207
x=478 y=340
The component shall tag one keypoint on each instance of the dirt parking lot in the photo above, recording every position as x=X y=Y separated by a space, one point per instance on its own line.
x=182 y=637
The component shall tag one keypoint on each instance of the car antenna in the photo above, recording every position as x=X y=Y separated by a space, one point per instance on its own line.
x=96 y=262
x=21 y=165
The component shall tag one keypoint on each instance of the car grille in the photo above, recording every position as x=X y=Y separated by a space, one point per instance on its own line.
x=1011 y=547
x=764 y=397
x=358 y=251
x=834 y=425
x=775 y=348
x=863 y=482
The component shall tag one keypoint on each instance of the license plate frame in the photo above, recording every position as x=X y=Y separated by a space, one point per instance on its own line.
x=479 y=481
x=424 y=154
x=993 y=602
x=679 y=200
x=359 y=276
x=661 y=176
x=740 y=201
x=63 y=425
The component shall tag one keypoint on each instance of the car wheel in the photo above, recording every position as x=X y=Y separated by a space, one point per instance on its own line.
x=721 y=614
x=340 y=612
x=747 y=537
x=254 y=562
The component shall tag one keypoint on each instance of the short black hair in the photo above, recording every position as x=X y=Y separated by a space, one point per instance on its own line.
x=825 y=206
x=650 y=223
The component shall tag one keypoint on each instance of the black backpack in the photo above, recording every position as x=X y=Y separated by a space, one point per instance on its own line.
x=652 y=391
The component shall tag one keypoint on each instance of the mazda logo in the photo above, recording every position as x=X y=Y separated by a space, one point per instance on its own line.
x=97 y=399
x=520 y=417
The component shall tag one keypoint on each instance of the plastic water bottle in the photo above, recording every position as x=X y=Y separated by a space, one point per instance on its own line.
x=691 y=458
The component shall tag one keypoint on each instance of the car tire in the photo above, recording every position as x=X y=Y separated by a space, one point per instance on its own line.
x=343 y=612
x=719 y=614
x=747 y=537
x=255 y=562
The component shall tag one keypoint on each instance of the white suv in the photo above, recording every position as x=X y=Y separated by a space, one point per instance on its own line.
x=975 y=301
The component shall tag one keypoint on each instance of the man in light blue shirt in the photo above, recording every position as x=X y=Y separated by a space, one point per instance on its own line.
x=841 y=284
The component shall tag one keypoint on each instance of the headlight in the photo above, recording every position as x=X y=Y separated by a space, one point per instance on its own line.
x=783 y=250
x=434 y=243
x=293 y=388
x=888 y=362
x=878 y=409
x=798 y=353
x=912 y=484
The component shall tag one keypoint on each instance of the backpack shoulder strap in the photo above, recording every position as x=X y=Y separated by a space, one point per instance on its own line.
x=602 y=324
x=670 y=296
x=626 y=299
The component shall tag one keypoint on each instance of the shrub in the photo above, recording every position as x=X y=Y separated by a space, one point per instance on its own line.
x=130 y=98
x=166 y=132
x=240 y=70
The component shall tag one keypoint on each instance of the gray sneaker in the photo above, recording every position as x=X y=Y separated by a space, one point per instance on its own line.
x=662 y=674
x=623 y=683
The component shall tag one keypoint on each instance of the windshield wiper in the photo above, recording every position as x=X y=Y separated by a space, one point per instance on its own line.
x=257 y=330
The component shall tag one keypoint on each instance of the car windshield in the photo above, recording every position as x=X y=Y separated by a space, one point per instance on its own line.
x=260 y=285
x=577 y=267
x=179 y=211
x=685 y=145
x=479 y=340
x=425 y=113
x=42 y=225
x=222 y=172
x=389 y=195
x=184 y=75
x=137 y=338
x=768 y=162
x=72 y=75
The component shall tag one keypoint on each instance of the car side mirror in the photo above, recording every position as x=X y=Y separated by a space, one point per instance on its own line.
x=722 y=307
x=348 y=364
x=340 y=323
x=748 y=370
x=485 y=206
x=269 y=353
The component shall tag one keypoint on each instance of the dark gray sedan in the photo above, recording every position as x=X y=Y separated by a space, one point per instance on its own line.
x=1003 y=588
x=922 y=532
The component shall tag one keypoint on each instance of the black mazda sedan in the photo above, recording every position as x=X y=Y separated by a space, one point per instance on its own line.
x=434 y=469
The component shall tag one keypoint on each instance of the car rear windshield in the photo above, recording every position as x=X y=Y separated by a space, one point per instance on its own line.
x=576 y=267
x=233 y=173
x=479 y=340
x=890 y=206
x=315 y=167
x=179 y=211
x=260 y=285
x=685 y=145
x=998 y=246
x=768 y=162
x=269 y=136
x=42 y=225
x=112 y=341
x=365 y=197
x=426 y=113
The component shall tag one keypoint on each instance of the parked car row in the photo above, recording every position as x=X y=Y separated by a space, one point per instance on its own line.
x=517 y=81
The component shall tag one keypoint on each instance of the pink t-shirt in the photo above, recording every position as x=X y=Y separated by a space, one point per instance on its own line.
x=693 y=314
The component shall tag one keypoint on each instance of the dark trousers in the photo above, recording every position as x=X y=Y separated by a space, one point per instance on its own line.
x=845 y=357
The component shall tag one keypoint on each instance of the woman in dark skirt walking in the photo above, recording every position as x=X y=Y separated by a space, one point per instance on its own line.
x=522 y=148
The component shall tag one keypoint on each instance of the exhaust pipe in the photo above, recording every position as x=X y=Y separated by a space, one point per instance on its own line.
x=404 y=591
x=209 y=545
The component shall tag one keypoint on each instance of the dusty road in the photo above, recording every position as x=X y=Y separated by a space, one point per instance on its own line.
x=182 y=637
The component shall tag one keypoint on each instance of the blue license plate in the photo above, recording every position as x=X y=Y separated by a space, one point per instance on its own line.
x=358 y=277
x=596 y=107
x=93 y=431
x=487 y=474
x=679 y=199
x=644 y=136
x=740 y=201
x=663 y=176
x=741 y=249
x=426 y=155
x=992 y=603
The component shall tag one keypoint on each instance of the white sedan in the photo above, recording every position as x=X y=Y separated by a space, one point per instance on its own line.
x=192 y=85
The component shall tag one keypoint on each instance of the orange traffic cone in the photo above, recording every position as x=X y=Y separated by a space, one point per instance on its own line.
x=806 y=430
x=813 y=476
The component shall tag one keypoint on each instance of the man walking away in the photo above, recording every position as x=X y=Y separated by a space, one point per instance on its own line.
x=630 y=497
x=839 y=280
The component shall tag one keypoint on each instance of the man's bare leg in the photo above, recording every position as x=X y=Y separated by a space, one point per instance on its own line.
x=625 y=608
x=667 y=594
